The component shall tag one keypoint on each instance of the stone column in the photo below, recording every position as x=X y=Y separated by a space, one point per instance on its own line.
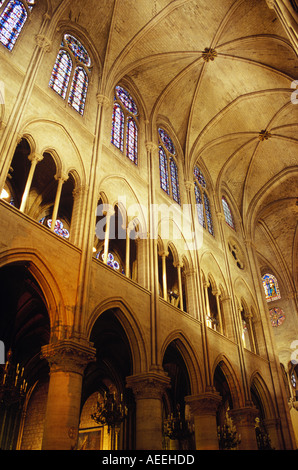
x=67 y=360
x=244 y=420
x=61 y=180
x=127 y=252
x=164 y=274
x=142 y=260
x=272 y=426
x=219 y=313
x=180 y=286
x=109 y=214
x=228 y=317
x=207 y=318
x=148 y=389
x=203 y=407
x=35 y=159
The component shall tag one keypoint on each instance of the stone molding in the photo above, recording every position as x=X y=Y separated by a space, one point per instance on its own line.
x=204 y=403
x=68 y=356
x=148 y=385
x=244 y=416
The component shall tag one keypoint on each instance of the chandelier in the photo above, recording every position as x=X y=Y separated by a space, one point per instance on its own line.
x=13 y=386
x=228 y=437
x=110 y=411
x=176 y=428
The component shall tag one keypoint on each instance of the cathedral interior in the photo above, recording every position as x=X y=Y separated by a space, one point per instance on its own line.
x=148 y=205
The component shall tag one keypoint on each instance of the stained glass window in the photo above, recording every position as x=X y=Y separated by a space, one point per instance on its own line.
x=59 y=227
x=228 y=213
x=199 y=177
x=77 y=49
x=132 y=140
x=208 y=214
x=163 y=170
x=202 y=201
x=167 y=141
x=127 y=100
x=271 y=288
x=12 y=21
x=169 y=180
x=118 y=127
x=61 y=73
x=111 y=261
x=199 y=204
x=72 y=51
x=78 y=90
x=277 y=316
x=174 y=180
x=124 y=126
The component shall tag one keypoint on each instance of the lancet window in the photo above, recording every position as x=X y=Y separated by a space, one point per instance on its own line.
x=70 y=75
x=124 y=134
x=13 y=16
x=202 y=201
x=168 y=170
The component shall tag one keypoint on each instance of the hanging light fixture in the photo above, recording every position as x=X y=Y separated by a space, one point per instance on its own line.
x=175 y=427
x=13 y=386
x=110 y=411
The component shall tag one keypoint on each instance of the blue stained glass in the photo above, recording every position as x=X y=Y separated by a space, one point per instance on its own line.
x=78 y=91
x=12 y=21
x=77 y=49
x=174 y=181
x=163 y=168
x=208 y=214
x=199 y=177
x=271 y=288
x=132 y=140
x=127 y=100
x=61 y=73
x=227 y=213
x=199 y=204
x=118 y=127
x=30 y=4
x=167 y=141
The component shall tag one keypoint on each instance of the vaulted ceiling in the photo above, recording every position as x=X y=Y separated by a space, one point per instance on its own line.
x=216 y=104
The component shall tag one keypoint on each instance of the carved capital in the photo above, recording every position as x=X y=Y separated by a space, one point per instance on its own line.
x=189 y=185
x=43 y=42
x=35 y=157
x=244 y=416
x=103 y=100
x=150 y=146
x=204 y=403
x=68 y=356
x=148 y=385
x=61 y=177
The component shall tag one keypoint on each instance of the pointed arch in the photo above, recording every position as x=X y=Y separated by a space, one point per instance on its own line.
x=231 y=377
x=126 y=317
x=191 y=362
x=12 y=21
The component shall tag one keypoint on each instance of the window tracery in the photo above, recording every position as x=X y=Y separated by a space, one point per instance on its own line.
x=12 y=20
x=124 y=134
x=271 y=288
x=72 y=66
x=228 y=213
x=202 y=201
x=168 y=170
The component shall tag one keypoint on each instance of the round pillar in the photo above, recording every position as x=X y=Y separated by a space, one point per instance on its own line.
x=148 y=390
x=204 y=407
x=244 y=420
x=67 y=360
